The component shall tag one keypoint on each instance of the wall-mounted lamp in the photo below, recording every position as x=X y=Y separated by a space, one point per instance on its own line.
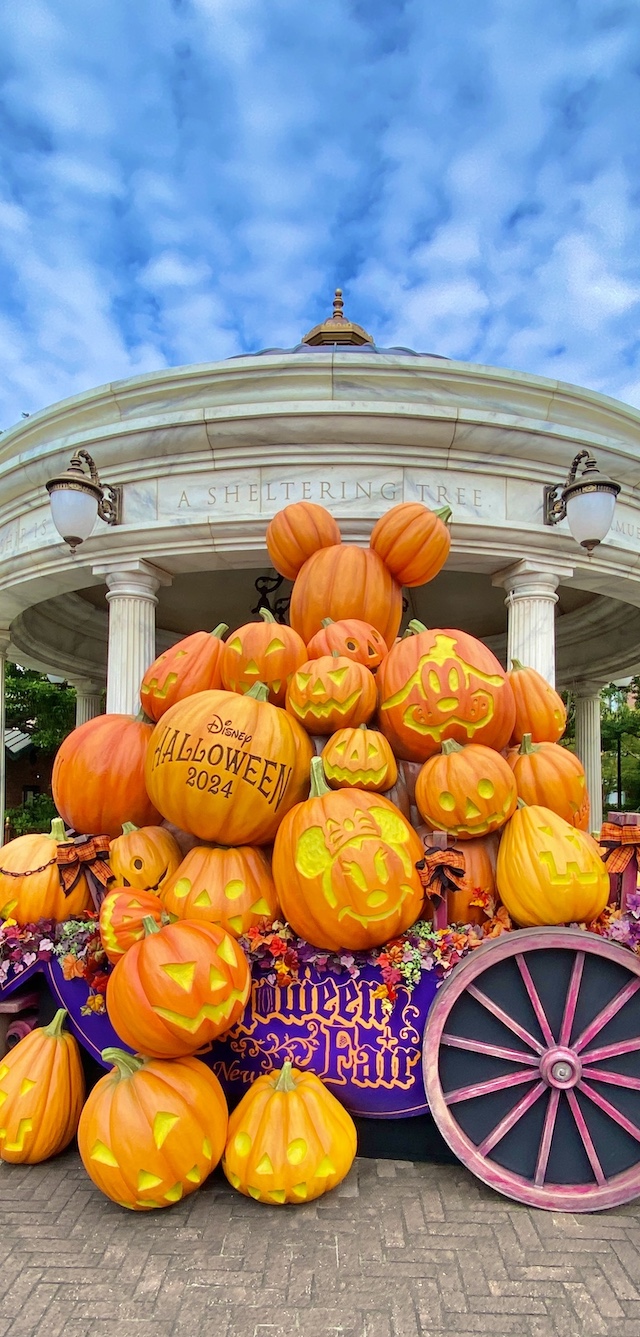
x=78 y=498
x=587 y=502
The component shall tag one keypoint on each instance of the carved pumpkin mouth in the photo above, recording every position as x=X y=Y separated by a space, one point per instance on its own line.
x=420 y=718
x=355 y=777
x=322 y=709
x=347 y=911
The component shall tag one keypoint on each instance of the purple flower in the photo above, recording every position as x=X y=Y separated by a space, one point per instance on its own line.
x=28 y=959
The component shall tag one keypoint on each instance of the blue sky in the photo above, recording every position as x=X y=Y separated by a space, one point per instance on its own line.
x=182 y=180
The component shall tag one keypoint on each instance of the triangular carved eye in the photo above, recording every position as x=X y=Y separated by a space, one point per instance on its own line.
x=337 y=675
x=303 y=680
x=235 y=644
x=273 y=646
x=372 y=749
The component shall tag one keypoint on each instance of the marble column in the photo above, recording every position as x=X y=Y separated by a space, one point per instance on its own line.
x=531 y=600
x=132 y=598
x=589 y=746
x=4 y=646
x=88 y=699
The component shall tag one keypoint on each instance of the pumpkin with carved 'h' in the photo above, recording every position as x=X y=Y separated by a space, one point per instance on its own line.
x=122 y=916
x=468 y=791
x=232 y=887
x=331 y=693
x=192 y=665
x=413 y=541
x=98 y=776
x=548 y=872
x=289 y=1139
x=30 y=886
x=344 y=868
x=442 y=684
x=345 y=582
x=151 y=1130
x=351 y=638
x=228 y=767
x=41 y=1093
x=178 y=988
x=296 y=532
x=143 y=856
x=539 y=710
x=359 y=759
x=262 y=652
x=552 y=777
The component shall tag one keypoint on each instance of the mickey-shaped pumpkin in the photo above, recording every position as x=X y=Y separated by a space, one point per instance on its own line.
x=331 y=693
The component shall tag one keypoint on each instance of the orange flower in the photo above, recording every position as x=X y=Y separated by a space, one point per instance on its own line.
x=72 y=968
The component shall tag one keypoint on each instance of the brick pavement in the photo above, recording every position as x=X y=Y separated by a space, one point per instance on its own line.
x=399 y=1250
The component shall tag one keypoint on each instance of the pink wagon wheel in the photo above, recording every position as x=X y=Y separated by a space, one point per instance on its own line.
x=531 y=1063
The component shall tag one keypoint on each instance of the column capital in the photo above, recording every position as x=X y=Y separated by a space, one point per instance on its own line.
x=87 y=686
x=585 y=689
x=528 y=578
x=134 y=578
x=5 y=640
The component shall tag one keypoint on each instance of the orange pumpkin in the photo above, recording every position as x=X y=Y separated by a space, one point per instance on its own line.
x=359 y=759
x=549 y=873
x=144 y=856
x=122 y=915
x=30 y=886
x=345 y=582
x=178 y=988
x=554 y=778
x=228 y=767
x=350 y=638
x=331 y=693
x=442 y=684
x=480 y=857
x=344 y=868
x=41 y=1093
x=413 y=541
x=262 y=652
x=192 y=665
x=98 y=776
x=539 y=710
x=230 y=887
x=296 y=532
x=152 y=1131
x=468 y=791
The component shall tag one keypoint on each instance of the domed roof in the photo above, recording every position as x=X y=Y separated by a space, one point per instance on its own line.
x=337 y=329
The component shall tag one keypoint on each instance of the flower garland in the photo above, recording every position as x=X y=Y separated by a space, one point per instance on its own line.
x=75 y=942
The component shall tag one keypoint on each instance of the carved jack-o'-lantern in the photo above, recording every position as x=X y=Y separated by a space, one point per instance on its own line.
x=468 y=791
x=231 y=887
x=351 y=638
x=359 y=759
x=548 y=872
x=192 y=665
x=331 y=693
x=344 y=868
x=262 y=652
x=122 y=916
x=143 y=856
x=442 y=684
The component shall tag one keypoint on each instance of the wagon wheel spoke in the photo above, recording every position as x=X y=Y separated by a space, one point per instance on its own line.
x=501 y=1129
x=607 y=1108
x=607 y=1013
x=487 y=1088
x=612 y=1051
x=535 y=1000
x=571 y=999
x=587 y=1141
x=613 y=1078
x=547 y=1136
x=484 y=1047
x=506 y=1020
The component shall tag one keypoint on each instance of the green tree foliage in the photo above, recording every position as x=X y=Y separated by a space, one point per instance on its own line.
x=44 y=710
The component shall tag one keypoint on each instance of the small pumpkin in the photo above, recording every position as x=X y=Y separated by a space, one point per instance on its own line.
x=344 y=582
x=296 y=532
x=331 y=693
x=122 y=915
x=143 y=856
x=41 y=1093
x=552 y=777
x=480 y=857
x=413 y=541
x=178 y=988
x=30 y=886
x=289 y=1139
x=539 y=710
x=352 y=639
x=467 y=791
x=359 y=759
x=548 y=872
x=232 y=887
x=344 y=868
x=228 y=767
x=191 y=665
x=262 y=652
x=98 y=776
x=440 y=684
x=152 y=1131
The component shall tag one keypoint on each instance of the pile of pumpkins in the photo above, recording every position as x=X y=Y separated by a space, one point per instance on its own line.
x=255 y=785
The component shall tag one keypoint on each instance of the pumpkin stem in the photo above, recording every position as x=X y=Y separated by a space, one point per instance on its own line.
x=416 y=627
x=149 y=925
x=444 y=514
x=285 y=1081
x=221 y=629
x=55 y=1027
x=327 y=621
x=363 y=726
x=319 y=786
x=128 y=828
x=450 y=746
x=57 y=831
x=266 y=615
x=521 y=803
x=143 y=718
x=517 y=665
x=259 y=691
x=127 y=1064
x=527 y=747
x=335 y=654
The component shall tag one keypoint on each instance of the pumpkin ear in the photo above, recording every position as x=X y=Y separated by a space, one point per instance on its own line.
x=297 y=532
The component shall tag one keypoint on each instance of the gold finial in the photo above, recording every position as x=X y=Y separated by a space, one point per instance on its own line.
x=337 y=329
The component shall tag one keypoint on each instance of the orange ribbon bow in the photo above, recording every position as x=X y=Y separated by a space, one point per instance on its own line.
x=86 y=855
x=619 y=844
x=441 y=871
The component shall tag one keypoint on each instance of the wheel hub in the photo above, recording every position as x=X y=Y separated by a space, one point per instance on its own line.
x=560 y=1067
